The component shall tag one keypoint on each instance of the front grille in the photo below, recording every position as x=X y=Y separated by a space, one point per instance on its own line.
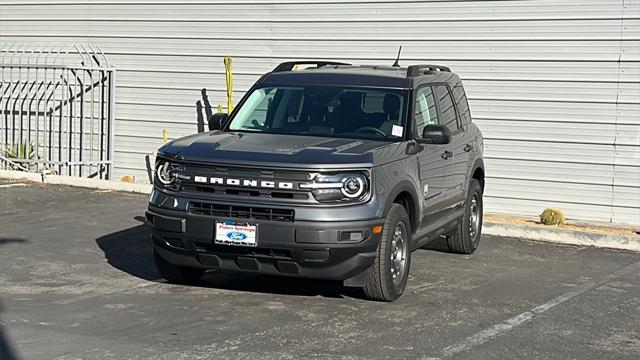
x=241 y=212
x=282 y=195
x=242 y=192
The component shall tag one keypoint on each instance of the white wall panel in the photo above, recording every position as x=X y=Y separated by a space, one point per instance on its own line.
x=554 y=85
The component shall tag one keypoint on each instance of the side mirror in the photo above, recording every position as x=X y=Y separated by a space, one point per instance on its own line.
x=435 y=134
x=217 y=121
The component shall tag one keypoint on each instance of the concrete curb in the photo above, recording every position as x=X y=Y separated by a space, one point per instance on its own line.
x=75 y=181
x=562 y=236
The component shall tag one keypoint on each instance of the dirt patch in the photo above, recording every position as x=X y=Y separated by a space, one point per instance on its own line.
x=608 y=229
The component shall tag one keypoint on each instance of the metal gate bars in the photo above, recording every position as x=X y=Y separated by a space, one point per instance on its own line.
x=57 y=109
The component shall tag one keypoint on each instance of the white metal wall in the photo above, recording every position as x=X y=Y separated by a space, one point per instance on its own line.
x=554 y=85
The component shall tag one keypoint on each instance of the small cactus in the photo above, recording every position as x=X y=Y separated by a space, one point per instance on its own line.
x=552 y=217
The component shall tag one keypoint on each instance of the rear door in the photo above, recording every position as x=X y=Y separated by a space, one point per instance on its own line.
x=465 y=153
x=454 y=153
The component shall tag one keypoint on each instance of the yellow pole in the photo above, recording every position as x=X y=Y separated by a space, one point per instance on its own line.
x=164 y=136
x=229 y=78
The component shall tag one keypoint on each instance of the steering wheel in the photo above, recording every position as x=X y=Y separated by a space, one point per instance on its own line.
x=372 y=129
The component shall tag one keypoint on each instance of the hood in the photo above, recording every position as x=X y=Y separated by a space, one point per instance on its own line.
x=237 y=148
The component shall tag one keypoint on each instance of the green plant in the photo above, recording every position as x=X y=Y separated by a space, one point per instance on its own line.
x=552 y=217
x=21 y=151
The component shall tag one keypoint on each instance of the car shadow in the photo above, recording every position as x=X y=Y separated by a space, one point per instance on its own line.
x=6 y=348
x=6 y=241
x=131 y=251
x=278 y=285
x=438 y=245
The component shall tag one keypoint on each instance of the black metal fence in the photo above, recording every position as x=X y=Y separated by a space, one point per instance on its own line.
x=56 y=109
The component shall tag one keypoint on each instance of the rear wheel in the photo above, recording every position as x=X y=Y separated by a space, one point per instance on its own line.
x=177 y=274
x=466 y=237
x=388 y=275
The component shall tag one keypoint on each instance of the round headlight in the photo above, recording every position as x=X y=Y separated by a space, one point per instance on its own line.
x=165 y=174
x=338 y=187
x=352 y=187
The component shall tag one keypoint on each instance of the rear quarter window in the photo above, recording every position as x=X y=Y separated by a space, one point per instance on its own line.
x=460 y=97
x=446 y=106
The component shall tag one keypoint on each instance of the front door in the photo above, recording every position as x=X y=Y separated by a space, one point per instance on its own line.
x=434 y=165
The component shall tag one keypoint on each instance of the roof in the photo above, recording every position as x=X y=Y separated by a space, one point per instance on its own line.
x=371 y=70
x=354 y=75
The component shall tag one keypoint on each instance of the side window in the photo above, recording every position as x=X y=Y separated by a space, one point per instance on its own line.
x=462 y=103
x=426 y=112
x=447 y=109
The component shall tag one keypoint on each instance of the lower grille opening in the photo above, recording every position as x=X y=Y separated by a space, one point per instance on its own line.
x=241 y=212
x=225 y=250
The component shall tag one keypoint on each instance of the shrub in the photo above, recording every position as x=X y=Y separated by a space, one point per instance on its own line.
x=21 y=151
x=552 y=217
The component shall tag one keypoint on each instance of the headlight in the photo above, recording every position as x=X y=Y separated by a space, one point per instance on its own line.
x=339 y=187
x=168 y=174
x=353 y=187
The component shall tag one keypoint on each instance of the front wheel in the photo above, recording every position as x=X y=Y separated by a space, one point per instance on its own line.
x=388 y=275
x=466 y=237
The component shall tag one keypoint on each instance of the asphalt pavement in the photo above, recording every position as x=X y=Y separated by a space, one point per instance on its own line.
x=77 y=281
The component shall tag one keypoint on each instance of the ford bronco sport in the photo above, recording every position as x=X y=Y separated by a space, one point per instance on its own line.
x=333 y=171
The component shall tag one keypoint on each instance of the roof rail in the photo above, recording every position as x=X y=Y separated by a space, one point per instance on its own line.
x=289 y=65
x=416 y=70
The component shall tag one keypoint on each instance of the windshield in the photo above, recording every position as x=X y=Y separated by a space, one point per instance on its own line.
x=377 y=114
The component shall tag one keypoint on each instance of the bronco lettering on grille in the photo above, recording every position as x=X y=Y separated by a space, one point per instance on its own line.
x=245 y=182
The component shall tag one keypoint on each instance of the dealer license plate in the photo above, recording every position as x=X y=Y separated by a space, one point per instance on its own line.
x=235 y=234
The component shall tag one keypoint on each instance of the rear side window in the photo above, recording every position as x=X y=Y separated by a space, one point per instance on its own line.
x=461 y=102
x=446 y=107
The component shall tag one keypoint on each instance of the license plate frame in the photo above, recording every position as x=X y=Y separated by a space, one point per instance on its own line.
x=235 y=234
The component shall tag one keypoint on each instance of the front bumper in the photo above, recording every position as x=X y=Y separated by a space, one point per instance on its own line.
x=310 y=249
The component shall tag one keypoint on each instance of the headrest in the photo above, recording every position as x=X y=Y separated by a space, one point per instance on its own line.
x=391 y=104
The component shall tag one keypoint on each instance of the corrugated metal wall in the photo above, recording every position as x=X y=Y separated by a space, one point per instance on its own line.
x=554 y=85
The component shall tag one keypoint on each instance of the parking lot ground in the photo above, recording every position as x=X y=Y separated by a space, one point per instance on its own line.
x=77 y=281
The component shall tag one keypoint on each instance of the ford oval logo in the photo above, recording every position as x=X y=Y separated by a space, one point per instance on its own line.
x=236 y=236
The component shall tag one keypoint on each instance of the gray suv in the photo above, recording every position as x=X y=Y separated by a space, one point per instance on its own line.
x=333 y=171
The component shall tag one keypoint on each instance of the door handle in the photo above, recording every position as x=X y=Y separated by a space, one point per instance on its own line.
x=447 y=154
x=468 y=147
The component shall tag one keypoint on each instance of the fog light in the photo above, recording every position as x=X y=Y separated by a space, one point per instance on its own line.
x=351 y=236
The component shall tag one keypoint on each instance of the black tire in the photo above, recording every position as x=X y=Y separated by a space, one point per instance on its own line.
x=464 y=240
x=177 y=274
x=381 y=285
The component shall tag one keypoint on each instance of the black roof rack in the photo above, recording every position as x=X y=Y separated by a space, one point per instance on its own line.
x=417 y=70
x=289 y=65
